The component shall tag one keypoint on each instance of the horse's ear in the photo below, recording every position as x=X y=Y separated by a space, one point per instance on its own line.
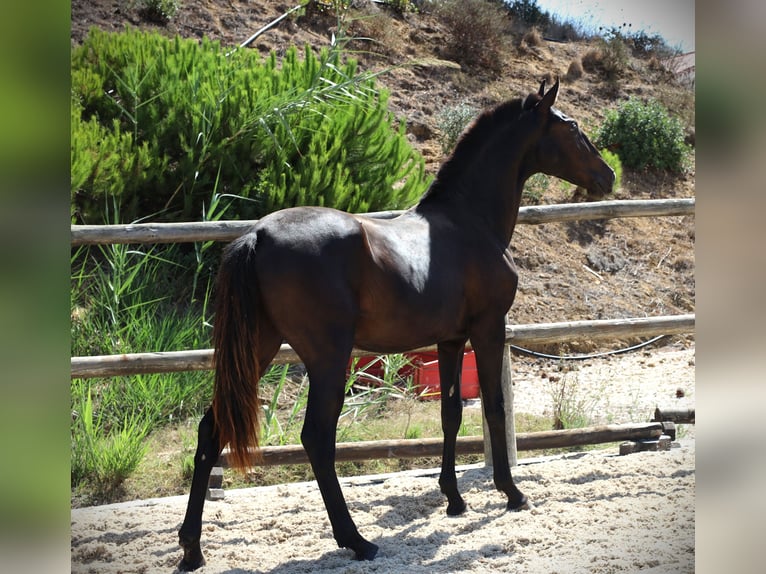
x=549 y=98
x=541 y=91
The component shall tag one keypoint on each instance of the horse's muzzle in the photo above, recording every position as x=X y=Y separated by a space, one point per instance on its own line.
x=603 y=184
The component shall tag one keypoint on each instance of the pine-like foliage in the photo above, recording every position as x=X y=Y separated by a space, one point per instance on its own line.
x=156 y=122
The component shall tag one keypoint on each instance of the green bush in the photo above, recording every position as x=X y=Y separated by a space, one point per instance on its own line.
x=125 y=300
x=644 y=135
x=613 y=161
x=529 y=12
x=161 y=11
x=157 y=122
x=402 y=6
x=452 y=120
x=103 y=455
x=646 y=46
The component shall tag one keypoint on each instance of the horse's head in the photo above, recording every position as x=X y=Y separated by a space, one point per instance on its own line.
x=563 y=150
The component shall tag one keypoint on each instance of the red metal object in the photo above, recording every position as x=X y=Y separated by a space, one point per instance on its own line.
x=426 y=378
x=424 y=369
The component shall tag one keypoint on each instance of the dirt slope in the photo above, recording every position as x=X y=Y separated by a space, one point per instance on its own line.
x=583 y=270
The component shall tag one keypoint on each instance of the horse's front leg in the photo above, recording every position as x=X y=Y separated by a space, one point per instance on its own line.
x=488 y=341
x=208 y=450
x=450 y=370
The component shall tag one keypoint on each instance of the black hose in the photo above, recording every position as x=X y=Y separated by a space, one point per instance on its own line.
x=583 y=357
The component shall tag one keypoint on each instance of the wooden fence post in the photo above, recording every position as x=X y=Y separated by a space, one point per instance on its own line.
x=510 y=421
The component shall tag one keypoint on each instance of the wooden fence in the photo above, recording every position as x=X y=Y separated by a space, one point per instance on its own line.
x=165 y=362
x=229 y=230
x=410 y=448
x=541 y=333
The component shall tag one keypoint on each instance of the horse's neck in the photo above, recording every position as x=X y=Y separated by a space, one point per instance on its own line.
x=488 y=191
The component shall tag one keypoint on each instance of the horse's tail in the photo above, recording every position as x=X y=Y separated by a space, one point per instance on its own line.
x=236 y=407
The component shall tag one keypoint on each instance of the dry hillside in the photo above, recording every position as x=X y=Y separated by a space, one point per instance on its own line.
x=588 y=270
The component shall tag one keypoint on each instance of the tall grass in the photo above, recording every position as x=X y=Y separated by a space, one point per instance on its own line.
x=124 y=300
x=571 y=408
x=104 y=453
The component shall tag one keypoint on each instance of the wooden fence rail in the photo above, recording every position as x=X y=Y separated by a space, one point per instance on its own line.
x=415 y=448
x=541 y=333
x=229 y=230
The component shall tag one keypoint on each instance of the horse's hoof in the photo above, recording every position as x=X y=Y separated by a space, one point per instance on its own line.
x=456 y=508
x=190 y=565
x=193 y=558
x=524 y=505
x=366 y=551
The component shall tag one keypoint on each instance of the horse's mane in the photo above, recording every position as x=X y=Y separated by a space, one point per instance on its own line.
x=470 y=141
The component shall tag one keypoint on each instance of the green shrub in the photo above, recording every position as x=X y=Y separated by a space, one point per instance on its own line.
x=158 y=122
x=103 y=455
x=452 y=120
x=161 y=11
x=120 y=303
x=529 y=12
x=534 y=189
x=644 y=135
x=647 y=46
x=613 y=161
x=402 y=6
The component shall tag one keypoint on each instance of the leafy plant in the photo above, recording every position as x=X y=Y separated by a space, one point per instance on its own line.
x=534 y=189
x=644 y=135
x=402 y=6
x=613 y=161
x=273 y=432
x=161 y=11
x=370 y=396
x=610 y=57
x=452 y=120
x=614 y=53
x=647 y=45
x=104 y=454
x=120 y=303
x=570 y=409
x=159 y=123
x=529 y=12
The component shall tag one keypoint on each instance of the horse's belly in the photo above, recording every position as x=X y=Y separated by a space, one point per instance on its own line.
x=398 y=328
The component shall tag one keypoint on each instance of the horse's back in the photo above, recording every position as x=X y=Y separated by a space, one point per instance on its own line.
x=307 y=231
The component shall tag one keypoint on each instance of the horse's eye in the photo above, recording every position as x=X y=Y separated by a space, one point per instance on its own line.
x=573 y=126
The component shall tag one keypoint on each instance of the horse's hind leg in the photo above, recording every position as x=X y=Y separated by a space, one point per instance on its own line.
x=208 y=449
x=450 y=367
x=325 y=401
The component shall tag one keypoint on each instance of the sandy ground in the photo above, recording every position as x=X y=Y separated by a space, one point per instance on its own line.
x=595 y=512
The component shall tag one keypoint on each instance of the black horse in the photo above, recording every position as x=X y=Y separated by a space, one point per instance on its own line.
x=325 y=281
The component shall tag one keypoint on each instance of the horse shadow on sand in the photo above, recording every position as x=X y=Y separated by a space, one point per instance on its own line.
x=403 y=548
